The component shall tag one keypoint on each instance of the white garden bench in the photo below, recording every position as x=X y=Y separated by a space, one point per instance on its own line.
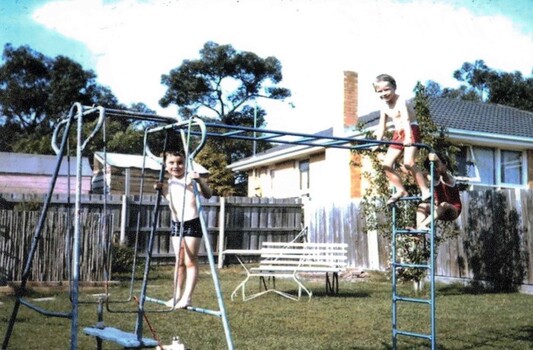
x=288 y=260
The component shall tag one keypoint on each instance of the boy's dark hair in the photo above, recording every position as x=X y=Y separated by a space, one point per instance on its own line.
x=443 y=158
x=387 y=78
x=174 y=152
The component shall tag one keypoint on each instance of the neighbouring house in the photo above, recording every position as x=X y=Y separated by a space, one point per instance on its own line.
x=32 y=173
x=496 y=151
x=124 y=173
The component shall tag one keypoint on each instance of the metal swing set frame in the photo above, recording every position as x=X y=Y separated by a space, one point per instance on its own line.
x=198 y=128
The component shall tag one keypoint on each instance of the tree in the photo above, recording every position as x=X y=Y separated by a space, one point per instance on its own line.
x=37 y=91
x=222 y=86
x=482 y=83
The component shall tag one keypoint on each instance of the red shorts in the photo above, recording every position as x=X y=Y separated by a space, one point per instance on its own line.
x=399 y=136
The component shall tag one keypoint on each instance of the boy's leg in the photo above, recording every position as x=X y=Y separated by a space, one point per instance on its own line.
x=392 y=176
x=191 y=246
x=422 y=214
x=178 y=273
x=409 y=160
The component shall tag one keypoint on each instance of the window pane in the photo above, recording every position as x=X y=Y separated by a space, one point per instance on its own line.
x=511 y=168
x=304 y=174
x=485 y=162
x=462 y=162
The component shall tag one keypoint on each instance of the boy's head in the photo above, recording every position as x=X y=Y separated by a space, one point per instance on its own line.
x=175 y=163
x=441 y=163
x=385 y=78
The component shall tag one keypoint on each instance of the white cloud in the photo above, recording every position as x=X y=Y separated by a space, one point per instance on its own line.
x=134 y=42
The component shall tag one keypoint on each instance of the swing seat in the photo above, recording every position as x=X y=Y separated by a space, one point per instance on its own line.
x=125 y=339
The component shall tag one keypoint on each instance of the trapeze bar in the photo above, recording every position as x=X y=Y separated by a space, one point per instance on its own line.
x=44 y=311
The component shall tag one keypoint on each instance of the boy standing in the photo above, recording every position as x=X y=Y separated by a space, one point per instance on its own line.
x=184 y=212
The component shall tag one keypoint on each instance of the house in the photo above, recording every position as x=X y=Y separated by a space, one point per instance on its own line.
x=32 y=173
x=496 y=151
x=124 y=173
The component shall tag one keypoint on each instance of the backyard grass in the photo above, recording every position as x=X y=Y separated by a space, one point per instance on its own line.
x=358 y=319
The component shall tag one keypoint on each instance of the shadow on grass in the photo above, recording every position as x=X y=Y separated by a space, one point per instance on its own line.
x=460 y=289
x=350 y=294
x=494 y=339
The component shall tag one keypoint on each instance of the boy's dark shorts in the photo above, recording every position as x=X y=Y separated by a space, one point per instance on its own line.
x=191 y=228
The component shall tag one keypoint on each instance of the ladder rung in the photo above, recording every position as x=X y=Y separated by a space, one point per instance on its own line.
x=412 y=300
x=415 y=266
x=410 y=198
x=414 y=334
x=411 y=232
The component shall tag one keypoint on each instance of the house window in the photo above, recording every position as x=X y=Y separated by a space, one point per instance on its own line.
x=511 y=167
x=492 y=167
x=304 y=175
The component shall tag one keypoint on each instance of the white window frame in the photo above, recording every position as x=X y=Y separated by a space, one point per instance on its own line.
x=476 y=179
x=304 y=191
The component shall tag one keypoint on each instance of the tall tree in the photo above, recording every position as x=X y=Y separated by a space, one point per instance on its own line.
x=482 y=83
x=222 y=86
x=36 y=91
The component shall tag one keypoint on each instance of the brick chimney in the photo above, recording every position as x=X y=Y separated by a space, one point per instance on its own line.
x=350 y=99
x=351 y=86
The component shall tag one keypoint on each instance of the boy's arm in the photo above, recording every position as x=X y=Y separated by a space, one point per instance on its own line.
x=205 y=190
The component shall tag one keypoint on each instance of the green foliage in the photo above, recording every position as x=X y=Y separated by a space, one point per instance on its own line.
x=122 y=260
x=493 y=244
x=482 y=83
x=220 y=177
x=203 y=82
x=36 y=91
x=379 y=216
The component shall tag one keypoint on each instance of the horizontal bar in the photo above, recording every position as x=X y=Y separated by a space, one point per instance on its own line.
x=44 y=311
x=411 y=300
x=414 y=334
x=414 y=266
x=189 y=308
x=411 y=232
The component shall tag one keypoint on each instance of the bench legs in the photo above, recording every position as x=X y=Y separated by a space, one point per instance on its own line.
x=262 y=281
x=332 y=284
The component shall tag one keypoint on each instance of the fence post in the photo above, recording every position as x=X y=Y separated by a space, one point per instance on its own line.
x=373 y=250
x=221 y=233
x=123 y=220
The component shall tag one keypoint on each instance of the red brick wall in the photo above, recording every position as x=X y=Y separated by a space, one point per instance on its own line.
x=350 y=120
x=350 y=99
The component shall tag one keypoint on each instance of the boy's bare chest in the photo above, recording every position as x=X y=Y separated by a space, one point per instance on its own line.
x=392 y=112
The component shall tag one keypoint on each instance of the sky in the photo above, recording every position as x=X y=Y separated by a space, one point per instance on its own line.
x=129 y=44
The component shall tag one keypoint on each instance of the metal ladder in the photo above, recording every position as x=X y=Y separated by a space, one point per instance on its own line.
x=429 y=266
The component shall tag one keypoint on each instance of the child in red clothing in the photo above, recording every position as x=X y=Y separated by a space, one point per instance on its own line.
x=447 y=199
x=406 y=130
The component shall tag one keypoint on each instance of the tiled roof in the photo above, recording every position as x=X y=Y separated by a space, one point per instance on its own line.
x=474 y=116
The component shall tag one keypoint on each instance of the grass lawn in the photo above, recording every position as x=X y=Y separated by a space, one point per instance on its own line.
x=358 y=319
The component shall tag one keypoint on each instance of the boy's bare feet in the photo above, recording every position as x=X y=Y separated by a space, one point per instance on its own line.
x=395 y=197
x=182 y=304
x=172 y=303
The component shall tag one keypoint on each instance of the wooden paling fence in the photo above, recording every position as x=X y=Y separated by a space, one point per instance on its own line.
x=494 y=240
x=245 y=222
